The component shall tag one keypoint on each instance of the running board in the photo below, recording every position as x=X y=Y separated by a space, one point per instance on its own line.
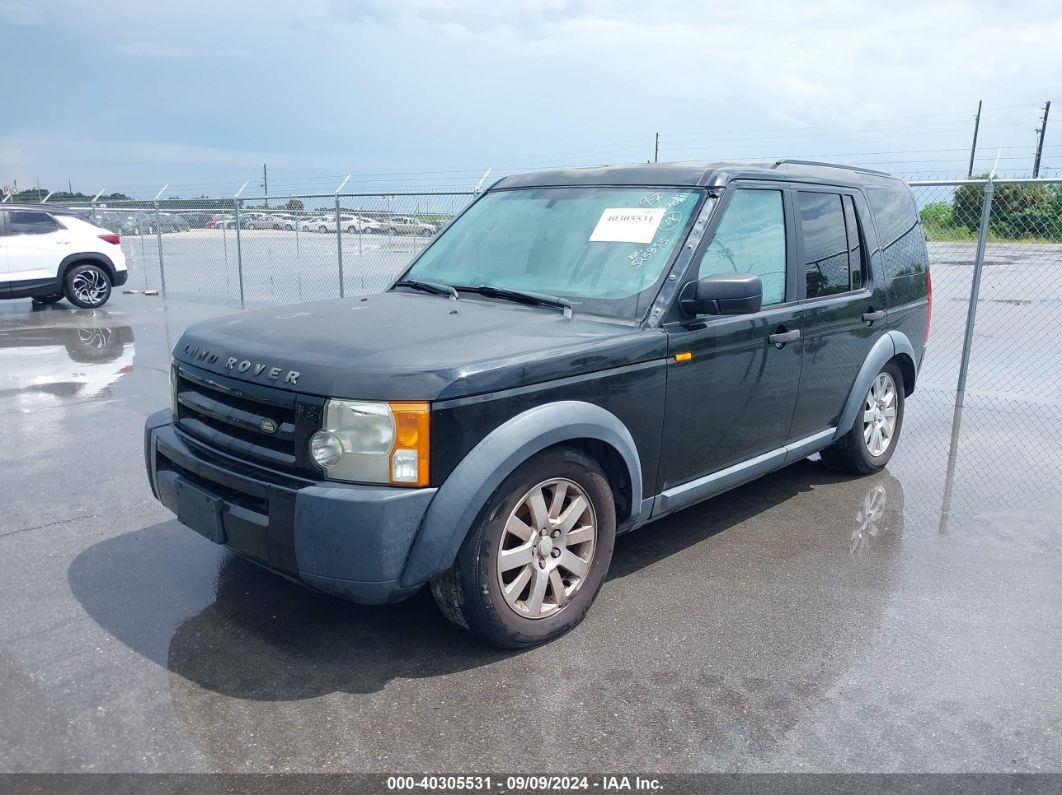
x=725 y=479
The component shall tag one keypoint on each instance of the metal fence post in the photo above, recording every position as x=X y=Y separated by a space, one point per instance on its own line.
x=339 y=238
x=339 y=248
x=975 y=289
x=158 y=236
x=239 y=250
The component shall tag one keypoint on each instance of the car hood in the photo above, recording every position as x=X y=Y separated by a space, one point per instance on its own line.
x=406 y=346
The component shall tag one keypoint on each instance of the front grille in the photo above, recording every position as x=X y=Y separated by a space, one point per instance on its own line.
x=269 y=427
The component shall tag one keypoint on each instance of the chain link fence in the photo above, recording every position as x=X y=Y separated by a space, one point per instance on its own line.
x=990 y=389
x=257 y=250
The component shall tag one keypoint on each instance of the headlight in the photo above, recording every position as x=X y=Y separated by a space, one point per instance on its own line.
x=365 y=442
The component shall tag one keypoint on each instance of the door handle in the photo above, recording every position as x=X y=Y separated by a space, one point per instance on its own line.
x=870 y=316
x=781 y=337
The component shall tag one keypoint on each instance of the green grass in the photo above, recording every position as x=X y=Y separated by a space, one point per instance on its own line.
x=961 y=234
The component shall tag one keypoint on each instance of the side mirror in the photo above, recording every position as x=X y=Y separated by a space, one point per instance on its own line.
x=723 y=294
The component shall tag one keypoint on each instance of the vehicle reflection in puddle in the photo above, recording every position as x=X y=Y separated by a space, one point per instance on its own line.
x=62 y=354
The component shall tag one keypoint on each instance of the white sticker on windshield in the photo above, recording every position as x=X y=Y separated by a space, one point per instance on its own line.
x=627 y=225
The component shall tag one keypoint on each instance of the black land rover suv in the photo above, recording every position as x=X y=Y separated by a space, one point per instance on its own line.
x=579 y=353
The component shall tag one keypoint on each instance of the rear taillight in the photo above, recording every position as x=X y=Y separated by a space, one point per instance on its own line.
x=929 y=306
x=115 y=239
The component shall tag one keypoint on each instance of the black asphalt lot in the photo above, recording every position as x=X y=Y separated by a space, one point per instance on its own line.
x=907 y=621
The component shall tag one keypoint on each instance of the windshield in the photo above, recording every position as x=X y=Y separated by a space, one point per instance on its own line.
x=604 y=249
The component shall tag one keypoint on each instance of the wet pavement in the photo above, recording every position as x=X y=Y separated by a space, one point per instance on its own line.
x=907 y=621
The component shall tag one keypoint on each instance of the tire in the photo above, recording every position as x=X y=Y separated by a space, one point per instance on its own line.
x=322 y=229
x=859 y=451
x=47 y=299
x=470 y=593
x=87 y=286
x=352 y=230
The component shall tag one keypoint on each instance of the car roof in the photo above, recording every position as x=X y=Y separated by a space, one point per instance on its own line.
x=47 y=208
x=697 y=174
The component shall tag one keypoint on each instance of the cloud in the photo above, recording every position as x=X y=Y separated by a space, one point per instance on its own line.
x=144 y=49
x=15 y=13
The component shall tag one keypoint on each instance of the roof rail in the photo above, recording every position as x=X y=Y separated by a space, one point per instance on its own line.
x=830 y=165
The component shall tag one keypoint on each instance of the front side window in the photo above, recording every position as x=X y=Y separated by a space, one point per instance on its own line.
x=825 y=259
x=604 y=249
x=750 y=238
x=26 y=222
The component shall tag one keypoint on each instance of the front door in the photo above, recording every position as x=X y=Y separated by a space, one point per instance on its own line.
x=844 y=301
x=35 y=245
x=733 y=397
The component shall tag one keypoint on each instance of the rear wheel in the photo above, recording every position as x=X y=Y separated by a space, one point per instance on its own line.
x=87 y=286
x=869 y=445
x=536 y=556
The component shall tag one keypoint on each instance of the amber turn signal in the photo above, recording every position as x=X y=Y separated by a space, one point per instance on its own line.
x=411 y=448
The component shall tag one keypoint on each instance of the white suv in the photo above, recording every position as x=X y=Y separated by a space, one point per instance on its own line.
x=47 y=253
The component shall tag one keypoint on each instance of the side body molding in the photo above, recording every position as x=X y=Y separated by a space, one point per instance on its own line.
x=461 y=497
x=889 y=345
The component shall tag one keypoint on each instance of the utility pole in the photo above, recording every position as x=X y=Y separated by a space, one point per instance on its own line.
x=265 y=182
x=973 y=146
x=656 y=149
x=69 y=187
x=1042 y=129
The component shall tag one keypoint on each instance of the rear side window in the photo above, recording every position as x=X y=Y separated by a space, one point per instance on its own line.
x=27 y=222
x=894 y=209
x=825 y=258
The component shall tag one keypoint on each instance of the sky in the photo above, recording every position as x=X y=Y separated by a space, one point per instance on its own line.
x=131 y=95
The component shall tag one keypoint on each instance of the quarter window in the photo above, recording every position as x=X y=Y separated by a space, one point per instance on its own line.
x=25 y=222
x=825 y=244
x=750 y=238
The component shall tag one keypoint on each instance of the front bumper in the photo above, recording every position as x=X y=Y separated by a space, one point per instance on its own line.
x=346 y=540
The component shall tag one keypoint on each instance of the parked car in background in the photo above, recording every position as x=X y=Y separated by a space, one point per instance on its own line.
x=317 y=223
x=369 y=226
x=48 y=254
x=196 y=220
x=408 y=225
x=146 y=222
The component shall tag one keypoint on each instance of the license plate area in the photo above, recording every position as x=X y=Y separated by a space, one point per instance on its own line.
x=200 y=510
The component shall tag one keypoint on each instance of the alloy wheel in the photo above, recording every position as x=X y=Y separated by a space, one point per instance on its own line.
x=547 y=548
x=90 y=287
x=879 y=415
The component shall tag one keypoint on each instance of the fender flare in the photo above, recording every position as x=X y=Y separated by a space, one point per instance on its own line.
x=94 y=257
x=887 y=347
x=464 y=493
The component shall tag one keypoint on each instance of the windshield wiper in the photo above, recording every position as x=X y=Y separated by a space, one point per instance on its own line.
x=429 y=287
x=523 y=297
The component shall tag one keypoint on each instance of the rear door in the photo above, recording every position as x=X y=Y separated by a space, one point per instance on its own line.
x=733 y=398
x=844 y=302
x=35 y=243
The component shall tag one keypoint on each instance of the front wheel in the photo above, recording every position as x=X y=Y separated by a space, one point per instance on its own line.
x=537 y=554
x=87 y=286
x=869 y=445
